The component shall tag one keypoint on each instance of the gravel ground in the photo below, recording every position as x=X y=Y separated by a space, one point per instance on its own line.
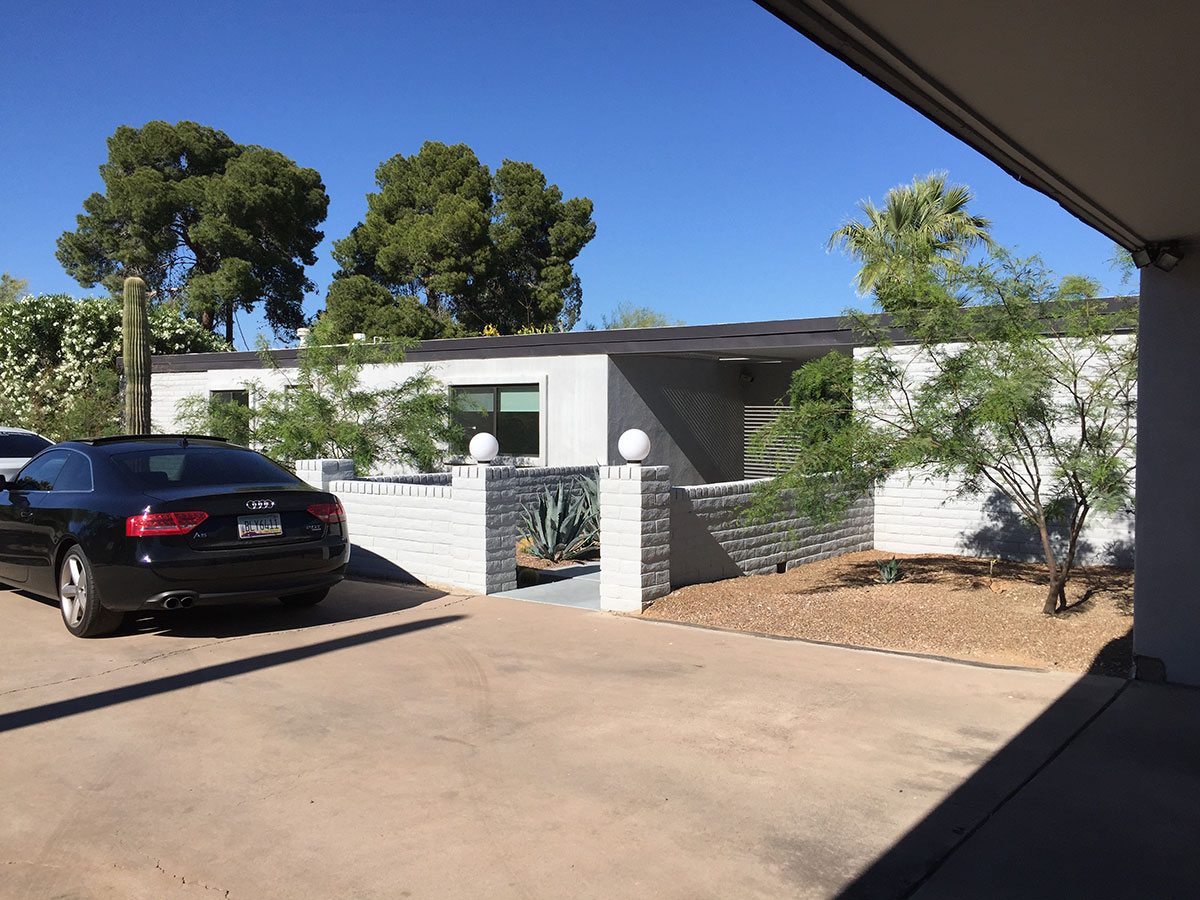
x=945 y=605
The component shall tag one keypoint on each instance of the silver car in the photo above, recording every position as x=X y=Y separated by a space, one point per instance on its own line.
x=17 y=446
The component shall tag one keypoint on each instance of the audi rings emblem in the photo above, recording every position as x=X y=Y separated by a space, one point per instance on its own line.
x=260 y=504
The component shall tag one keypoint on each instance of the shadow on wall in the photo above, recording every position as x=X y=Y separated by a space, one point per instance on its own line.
x=1005 y=533
x=697 y=557
x=691 y=408
x=365 y=564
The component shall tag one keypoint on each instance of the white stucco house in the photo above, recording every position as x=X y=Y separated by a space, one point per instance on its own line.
x=565 y=399
x=700 y=392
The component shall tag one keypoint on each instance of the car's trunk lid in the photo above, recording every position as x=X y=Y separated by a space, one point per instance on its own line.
x=245 y=516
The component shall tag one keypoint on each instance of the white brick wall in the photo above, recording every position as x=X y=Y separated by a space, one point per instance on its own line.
x=320 y=472
x=709 y=542
x=915 y=513
x=166 y=390
x=457 y=528
x=401 y=531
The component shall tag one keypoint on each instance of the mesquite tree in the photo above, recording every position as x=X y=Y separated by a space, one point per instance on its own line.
x=992 y=375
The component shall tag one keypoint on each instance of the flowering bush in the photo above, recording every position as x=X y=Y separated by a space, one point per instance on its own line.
x=57 y=360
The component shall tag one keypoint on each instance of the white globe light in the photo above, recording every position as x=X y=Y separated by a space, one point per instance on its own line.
x=634 y=445
x=484 y=447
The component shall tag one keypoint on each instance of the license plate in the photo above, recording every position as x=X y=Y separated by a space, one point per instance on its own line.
x=260 y=526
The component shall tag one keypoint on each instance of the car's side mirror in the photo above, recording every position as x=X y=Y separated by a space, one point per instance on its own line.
x=3 y=482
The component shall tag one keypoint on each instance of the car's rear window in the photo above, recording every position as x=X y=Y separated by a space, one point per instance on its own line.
x=16 y=445
x=152 y=467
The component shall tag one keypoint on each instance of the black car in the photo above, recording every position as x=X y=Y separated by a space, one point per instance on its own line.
x=127 y=523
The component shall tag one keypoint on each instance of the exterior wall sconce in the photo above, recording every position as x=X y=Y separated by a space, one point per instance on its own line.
x=1162 y=256
x=634 y=445
x=484 y=448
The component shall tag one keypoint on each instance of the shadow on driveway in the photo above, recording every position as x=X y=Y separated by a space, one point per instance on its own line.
x=1109 y=813
x=349 y=600
x=47 y=712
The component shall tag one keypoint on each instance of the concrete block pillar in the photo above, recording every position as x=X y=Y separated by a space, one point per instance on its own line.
x=635 y=536
x=321 y=472
x=484 y=516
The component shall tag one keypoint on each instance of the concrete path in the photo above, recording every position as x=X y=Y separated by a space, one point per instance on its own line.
x=577 y=586
x=393 y=743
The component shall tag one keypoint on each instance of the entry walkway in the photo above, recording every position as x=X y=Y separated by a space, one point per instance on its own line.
x=577 y=586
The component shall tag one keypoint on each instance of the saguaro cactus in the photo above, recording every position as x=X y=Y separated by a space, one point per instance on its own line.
x=135 y=348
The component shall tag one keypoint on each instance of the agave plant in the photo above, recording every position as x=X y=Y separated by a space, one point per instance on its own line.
x=889 y=571
x=563 y=525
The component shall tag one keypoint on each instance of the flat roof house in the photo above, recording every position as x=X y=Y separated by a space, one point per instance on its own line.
x=565 y=399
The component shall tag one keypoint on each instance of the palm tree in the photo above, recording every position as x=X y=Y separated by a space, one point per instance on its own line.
x=920 y=228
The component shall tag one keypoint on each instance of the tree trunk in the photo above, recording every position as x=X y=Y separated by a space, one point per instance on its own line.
x=229 y=322
x=1056 y=597
x=206 y=319
x=1058 y=577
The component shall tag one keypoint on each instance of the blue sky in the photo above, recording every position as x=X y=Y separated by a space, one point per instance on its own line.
x=720 y=147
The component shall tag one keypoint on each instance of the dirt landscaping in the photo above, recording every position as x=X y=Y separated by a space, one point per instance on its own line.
x=952 y=606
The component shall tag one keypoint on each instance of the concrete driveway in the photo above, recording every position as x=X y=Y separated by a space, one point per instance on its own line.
x=402 y=743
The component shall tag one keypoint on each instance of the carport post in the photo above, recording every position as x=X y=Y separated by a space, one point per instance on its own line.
x=635 y=536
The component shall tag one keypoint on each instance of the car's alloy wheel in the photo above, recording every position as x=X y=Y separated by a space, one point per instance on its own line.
x=79 y=598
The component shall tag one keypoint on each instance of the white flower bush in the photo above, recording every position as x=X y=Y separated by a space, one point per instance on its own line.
x=58 y=354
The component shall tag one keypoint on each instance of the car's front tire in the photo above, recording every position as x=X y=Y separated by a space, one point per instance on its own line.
x=309 y=598
x=79 y=598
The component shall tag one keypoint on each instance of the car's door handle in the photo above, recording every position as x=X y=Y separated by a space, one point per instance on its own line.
x=26 y=513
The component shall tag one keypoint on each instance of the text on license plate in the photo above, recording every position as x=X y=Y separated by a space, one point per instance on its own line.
x=259 y=526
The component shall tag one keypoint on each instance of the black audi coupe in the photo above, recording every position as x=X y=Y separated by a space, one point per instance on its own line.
x=115 y=524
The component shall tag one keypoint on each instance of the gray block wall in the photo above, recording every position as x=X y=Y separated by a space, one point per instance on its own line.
x=530 y=483
x=710 y=542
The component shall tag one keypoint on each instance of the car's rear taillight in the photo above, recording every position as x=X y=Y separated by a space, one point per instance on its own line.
x=329 y=513
x=151 y=524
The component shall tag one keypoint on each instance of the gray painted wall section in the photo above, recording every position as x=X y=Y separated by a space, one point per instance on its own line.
x=1166 y=624
x=690 y=408
x=710 y=542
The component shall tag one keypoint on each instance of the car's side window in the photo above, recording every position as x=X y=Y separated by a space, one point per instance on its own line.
x=76 y=474
x=40 y=473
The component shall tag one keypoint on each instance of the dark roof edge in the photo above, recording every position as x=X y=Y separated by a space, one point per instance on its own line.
x=670 y=339
x=828 y=331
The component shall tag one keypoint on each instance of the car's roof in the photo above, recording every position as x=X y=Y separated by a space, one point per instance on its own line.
x=178 y=440
x=11 y=429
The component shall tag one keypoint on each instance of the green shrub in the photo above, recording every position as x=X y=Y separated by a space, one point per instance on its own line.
x=561 y=525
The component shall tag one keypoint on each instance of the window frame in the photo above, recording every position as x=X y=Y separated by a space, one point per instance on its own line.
x=53 y=450
x=538 y=383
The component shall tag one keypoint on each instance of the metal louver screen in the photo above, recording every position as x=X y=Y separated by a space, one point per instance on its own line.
x=777 y=456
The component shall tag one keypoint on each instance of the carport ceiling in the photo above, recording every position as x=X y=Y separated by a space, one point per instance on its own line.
x=1088 y=101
